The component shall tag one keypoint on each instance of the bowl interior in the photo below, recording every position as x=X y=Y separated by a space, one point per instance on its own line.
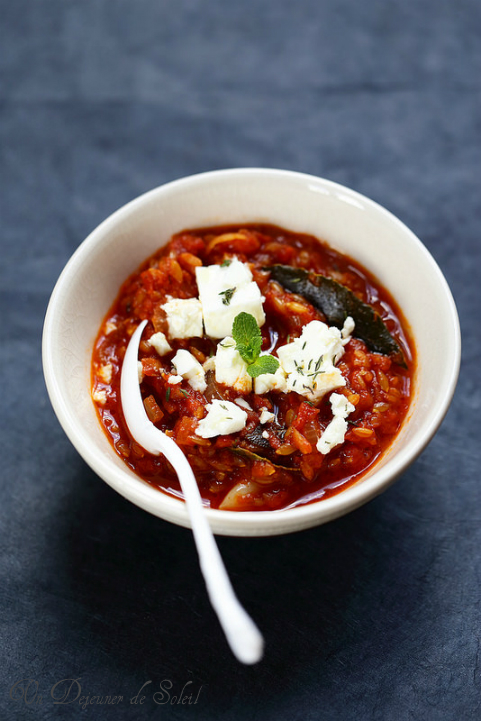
x=349 y=222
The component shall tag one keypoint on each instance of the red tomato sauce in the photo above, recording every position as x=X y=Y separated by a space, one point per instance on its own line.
x=288 y=470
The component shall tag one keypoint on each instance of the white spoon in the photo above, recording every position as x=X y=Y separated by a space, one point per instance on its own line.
x=241 y=632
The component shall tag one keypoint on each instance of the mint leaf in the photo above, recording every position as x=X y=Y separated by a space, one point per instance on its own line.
x=250 y=352
x=247 y=336
x=263 y=364
x=245 y=328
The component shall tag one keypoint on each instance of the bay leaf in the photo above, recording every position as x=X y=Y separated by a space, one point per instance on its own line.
x=337 y=302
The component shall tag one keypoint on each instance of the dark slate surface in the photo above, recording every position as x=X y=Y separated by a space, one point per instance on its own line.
x=375 y=616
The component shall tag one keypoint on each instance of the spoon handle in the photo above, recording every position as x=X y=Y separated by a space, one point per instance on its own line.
x=242 y=634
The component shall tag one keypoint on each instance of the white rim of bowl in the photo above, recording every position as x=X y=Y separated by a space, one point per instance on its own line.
x=248 y=523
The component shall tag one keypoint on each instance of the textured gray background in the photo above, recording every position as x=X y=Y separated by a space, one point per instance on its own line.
x=375 y=616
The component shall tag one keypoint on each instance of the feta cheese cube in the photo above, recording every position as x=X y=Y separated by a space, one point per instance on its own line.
x=160 y=343
x=347 y=329
x=243 y=404
x=230 y=368
x=266 y=416
x=184 y=317
x=309 y=361
x=234 y=273
x=271 y=382
x=223 y=417
x=226 y=291
x=335 y=432
x=209 y=364
x=174 y=380
x=187 y=366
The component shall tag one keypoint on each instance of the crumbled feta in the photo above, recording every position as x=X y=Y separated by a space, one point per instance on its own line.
x=160 y=343
x=226 y=291
x=271 y=382
x=266 y=417
x=100 y=396
x=265 y=434
x=174 y=380
x=230 y=368
x=209 y=364
x=347 y=329
x=243 y=404
x=184 y=317
x=140 y=371
x=223 y=417
x=336 y=430
x=309 y=361
x=187 y=366
x=105 y=372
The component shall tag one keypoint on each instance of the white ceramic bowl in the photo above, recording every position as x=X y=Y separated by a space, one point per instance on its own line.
x=348 y=221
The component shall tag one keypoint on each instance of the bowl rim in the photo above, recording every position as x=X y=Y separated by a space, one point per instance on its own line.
x=248 y=523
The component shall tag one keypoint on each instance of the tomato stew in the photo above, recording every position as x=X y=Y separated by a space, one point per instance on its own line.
x=263 y=466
